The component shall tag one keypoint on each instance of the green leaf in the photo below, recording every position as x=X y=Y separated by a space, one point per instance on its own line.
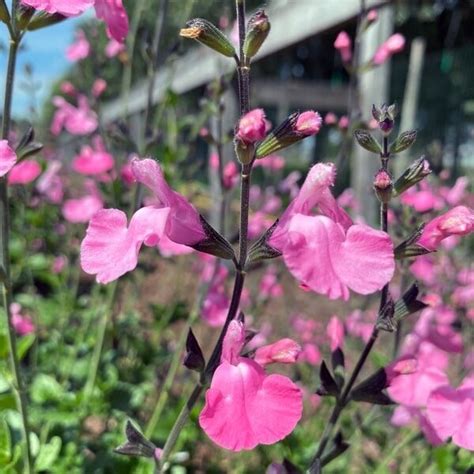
x=48 y=454
x=45 y=388
x=24 y=345
x=7 y=401
x=5 y=442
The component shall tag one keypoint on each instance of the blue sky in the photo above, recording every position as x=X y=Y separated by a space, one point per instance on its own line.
x=44 y=50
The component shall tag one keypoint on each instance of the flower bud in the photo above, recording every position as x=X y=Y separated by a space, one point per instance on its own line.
x=343 y=44
x=251 y=127
x=383 y=186
x=4 y=13
x=295 y=128
x=257 y=31
x=367 y=141
x=404 y=141
x=206 y=33
x=385 y=116
x=136 y=444
x=412 y=175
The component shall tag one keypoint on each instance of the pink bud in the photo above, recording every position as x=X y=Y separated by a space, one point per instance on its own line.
x=252 y=127
x=393 y=45
x=343 y=122
x=284 y=351
x=335 y=332
x=343 y=44
x=372 y=15
x=330 y=118
x=382 y=180
x=68 y=88
x=99 y=87
x=308 y=123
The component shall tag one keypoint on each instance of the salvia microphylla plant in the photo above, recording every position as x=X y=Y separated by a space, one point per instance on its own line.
x=322 y=247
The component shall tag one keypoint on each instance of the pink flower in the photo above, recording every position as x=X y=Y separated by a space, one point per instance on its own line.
x=344 y=122
x=343 y=44
x=59 y=264
x=98 y=88
x=402 y=366
x=50 y=183
x=451 y=413
x=22 y=324
x=310 y=354
x=251 y=127
x=215 y=305
x=269 y=286
x=82 y=210
x=126 y=174
x=79 y=120
x=80 y=49
x=111 y=248
x=393 y=45
x=330 y=118
x=372 y=15
x=244 y=406
x=327 y=253
x=7 y=157
x=308 y=123
x=284 y=351
x=64 y=7
x=68 y=88
x=422 y=200
x=24 y=172
x=271 y=162
x=457 y=221
x=113 y=13
x=114 y=48
x=93 y=161
x=335 y=332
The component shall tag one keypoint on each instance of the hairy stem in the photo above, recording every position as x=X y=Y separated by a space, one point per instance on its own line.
x=240 y=264
x=5 y=274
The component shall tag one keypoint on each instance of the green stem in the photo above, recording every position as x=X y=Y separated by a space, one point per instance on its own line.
x=99 y=343
x=7 y=297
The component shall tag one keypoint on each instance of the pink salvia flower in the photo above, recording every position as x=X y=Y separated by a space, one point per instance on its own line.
x=99 y=87
x=343 y=44
x=451 y=413
x=80 y=49
x=252 y=127
x=81 y=210
x=335 y=332
x=113 y=13
x=402 y=366
x=93 y=161
x=244 y=406
x=457 y=221
x=284 y=351
x=68 y=88
x=24 y=172
x=308 y=123
x=22 y=324
x=7 y=157
x=327 y=253
x=393 y=45
x=111 y=249
x=79 y=120
x=114 y=48
x=64 y=7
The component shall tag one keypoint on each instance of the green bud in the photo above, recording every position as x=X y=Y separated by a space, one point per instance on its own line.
x=4 y=13
x=209 y=35
x=412 y=175
x=257 y=31
x=367 y=141
x=404 y=141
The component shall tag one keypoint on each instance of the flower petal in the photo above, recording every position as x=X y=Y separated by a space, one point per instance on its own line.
x=110 y=249
x=7 y=158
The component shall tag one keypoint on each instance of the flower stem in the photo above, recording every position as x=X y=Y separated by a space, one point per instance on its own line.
x=343 y=400
x=7 y=297
x=99 y=343
x=243 y=72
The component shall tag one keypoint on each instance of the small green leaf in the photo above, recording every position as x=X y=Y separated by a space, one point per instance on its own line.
x=24 y=345
x=5 y=442
x=404 y=141
x=367 y=141
x=48 y=454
